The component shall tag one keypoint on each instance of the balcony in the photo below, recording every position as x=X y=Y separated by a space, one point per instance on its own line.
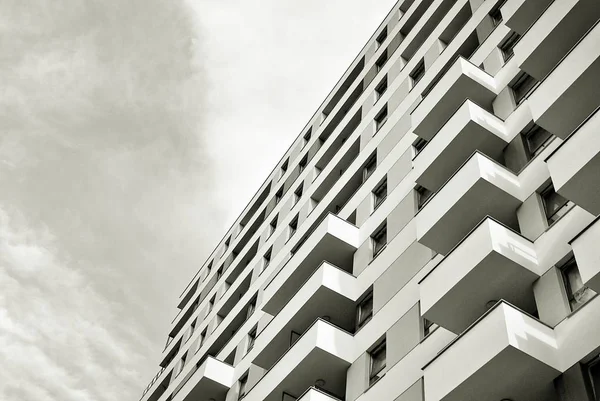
x=504 y=355
x=329 y=293
x=462 y=81
x=570 y=92
x=334 y=241
x=315 y=394
x=471 y=128
x=212 y=380
x=481 y=187
x=520 y=14
x=587 y=255
x=554 y=34
x=324 y=353
x=492 y=263
x=574 y=166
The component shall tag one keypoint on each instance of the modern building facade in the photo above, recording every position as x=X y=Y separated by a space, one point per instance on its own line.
x=432 y=234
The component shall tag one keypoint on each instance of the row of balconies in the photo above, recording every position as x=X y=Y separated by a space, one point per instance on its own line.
x=472 y=220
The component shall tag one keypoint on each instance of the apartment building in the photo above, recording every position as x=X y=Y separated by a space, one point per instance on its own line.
x=432 y=234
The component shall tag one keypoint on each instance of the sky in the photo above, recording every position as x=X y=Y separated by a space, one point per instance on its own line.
x=132 y=134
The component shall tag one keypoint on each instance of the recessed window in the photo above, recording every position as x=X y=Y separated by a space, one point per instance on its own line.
x=423 y=194
x=293 y=227
x=251 y=338
x=243 y=382
x=226 y=245
x=555 y=205
x=496 y=15
x=419 y=144
x=381 y=88
x=278 y=195
x=577 y=293
x=382 y=37
x=273 y=225
x=418 y=72
x=364 y=310
x=303 y=163
x=251 y=308
x=428 y=327
x=377 y=363
x=211 y=304
x=536 y=138
x=208 y=269
x=369 y=167
x=507 y=46
x=522 y=86
x=381 y=60
x=267 y=258
x=381 y=118
x=306 y=137
x=284 y=167
x=219 y=273
x=202 y=338
x=379 y=240
x=379 y=194
x=298 y=193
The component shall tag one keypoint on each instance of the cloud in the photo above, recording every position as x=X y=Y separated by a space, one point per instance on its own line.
x=102 y=166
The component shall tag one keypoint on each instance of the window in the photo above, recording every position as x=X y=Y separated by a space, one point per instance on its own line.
x=369 y=167
x=293 y=227
x=196 y=304
x=379 y=240
x=273 y=226
x=496 y=15
x=377 y=363
x=364 y=310
x=251 y=308
x=211 y=304
x=577 y=293
x=267 y=259
x=593 y=368
x=379 y=194
x=382 y=37
x=226 y=245
x=381 y=60
x=423 y=194
x=278 y=195
x=418 y=72
x=219 y=273
x=507 y=46
x=428 y=327
x=208 y=269
x=251 y=338
x=536 y=137
x=303 y=163
x=284 y=167
x=419 y=144
x=522 y=86
x=202 y=338
x=306 y=137
x=555 y=205
x=242 y=384
x=298 y=193
x=381 y=88
x=381 y=118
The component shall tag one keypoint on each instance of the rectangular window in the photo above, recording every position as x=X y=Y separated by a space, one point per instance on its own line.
x=379 y=194
x=379 y=240
x=369 y=167
x=251 y=339
x=382 y=37
x=226 y=245
x=536 y=138
x=428 y=327
x=381 y=60
x=364 y=310
x=523 y=85
x=419 y=144
x=423 y=194
x=555 y=205
x=306 y=137
x=211 y=304
x=577 y=293
x=208 y=269
x=496 y=15
x=251 y=308
x=284 y=167
x=381 y=88
x=303 y=163
x=273 y=226
x=202 y=338
x=267 y=259
x=298 y=193
x=381 y=118
x=293 y=227
x=507 y=46
x=219 y=273
x=418 y=72
x=243 y=382
x=278 y=195
x=377 y=363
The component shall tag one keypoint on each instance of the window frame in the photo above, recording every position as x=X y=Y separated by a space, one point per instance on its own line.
x=376 y=374
x=557 y=214
x=507 y=46
x=574 y=304
x=381 y=37
x=378 y=196
x=417 y=73
x=381 y=88
x=378 y=246
x=381 y=118
x=363 y=318
x=369 y=168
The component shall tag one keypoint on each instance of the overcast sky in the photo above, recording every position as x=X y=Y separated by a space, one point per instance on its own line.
x=132 y=134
